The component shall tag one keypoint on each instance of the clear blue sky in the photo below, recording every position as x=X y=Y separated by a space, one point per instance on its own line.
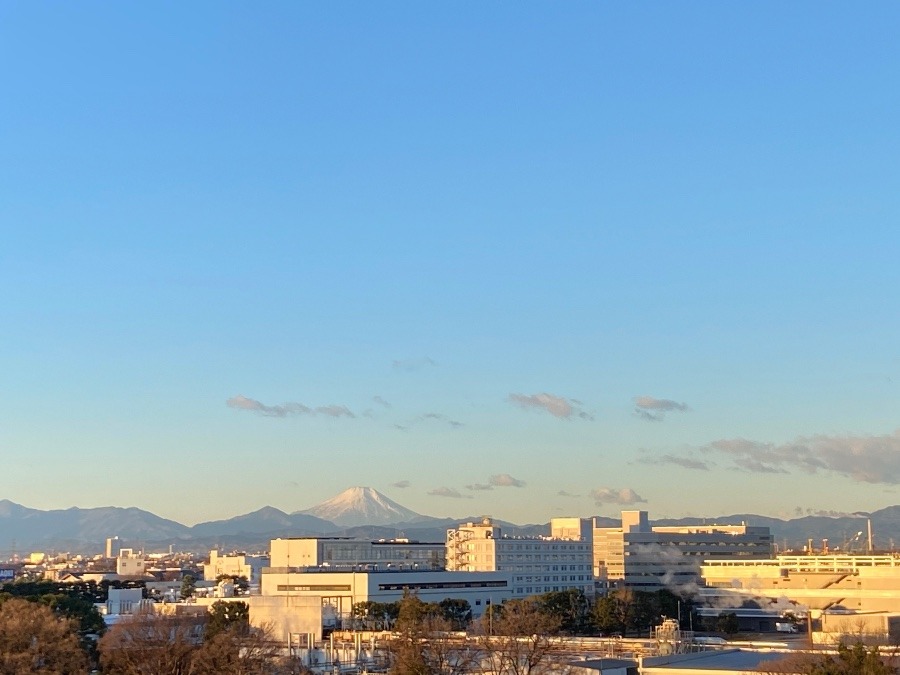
x=255 y=253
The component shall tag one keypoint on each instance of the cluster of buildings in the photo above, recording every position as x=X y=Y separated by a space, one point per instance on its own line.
x=308 y=585
x=313 y=583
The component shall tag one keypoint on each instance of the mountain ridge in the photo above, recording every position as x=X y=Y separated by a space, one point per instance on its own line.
x=23 y=529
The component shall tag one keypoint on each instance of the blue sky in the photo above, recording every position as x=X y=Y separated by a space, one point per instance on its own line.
x=524 y=260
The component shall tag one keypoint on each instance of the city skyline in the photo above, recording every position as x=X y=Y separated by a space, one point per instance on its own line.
x=527 y=262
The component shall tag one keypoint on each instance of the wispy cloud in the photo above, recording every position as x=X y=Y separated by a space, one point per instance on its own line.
x=479 y=487
x=867 y=459
x=430 y=417
x=654 y=409
x=380 y=401
x=438 y=417
x=563 y=493
x=240 y=402
x=411 y=365
x=621 y=496
x=558 y=406
x=682 y=461
x=401 y=484
x=505 y=480
x=447 y=492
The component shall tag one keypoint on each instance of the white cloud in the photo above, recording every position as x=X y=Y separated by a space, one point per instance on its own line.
x=380 y=401
x=622 y=496
x=558 y=406
x=401 y=484
x=505 y=480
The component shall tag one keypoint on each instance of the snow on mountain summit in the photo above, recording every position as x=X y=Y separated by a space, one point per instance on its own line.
x=361 y=506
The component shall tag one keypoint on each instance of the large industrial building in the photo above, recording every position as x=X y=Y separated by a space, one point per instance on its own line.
x=537 y=564
x=640 y=556
x=839 y=583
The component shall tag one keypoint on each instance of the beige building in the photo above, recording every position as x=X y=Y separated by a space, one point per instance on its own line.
x=537 y=564
x=643 y=557
x=247 y=566
x=863 y=583
x=130 y=563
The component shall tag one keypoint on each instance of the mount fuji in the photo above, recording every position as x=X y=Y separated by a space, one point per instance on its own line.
x=361 y=506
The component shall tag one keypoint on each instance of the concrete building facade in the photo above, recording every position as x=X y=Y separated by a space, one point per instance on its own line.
x=851 y=583
x=248 y=566
x=302 y=552
x=130 y=563
x=536 y=564
x=338 y=591
x=640 y=556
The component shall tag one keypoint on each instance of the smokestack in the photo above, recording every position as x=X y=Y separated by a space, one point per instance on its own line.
x=871 y=541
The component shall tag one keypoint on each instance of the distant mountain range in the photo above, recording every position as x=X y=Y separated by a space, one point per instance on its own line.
x=356 y=512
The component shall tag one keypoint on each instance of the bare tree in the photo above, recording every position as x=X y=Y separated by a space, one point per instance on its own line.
x=33 y=639
x=424 y=643
x=238 y=652
x=152 y=644
x=516 y=640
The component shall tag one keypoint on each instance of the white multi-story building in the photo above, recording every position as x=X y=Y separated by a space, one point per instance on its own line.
x=640 y=556
x=341 y=590
x=536 y=564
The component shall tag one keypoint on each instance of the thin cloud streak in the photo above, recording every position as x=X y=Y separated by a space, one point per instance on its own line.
x=447 y=492
x=412 y=365
x=686 y=462
x=558 y=406
x=653 y=409
x=241 y=402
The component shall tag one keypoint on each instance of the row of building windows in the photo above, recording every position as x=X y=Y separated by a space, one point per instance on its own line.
x=528 y=590
x=573 y=577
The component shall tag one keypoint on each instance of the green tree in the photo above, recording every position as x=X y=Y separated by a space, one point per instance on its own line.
x=188 y=584
x=728 y=623
x=856 y=659
x=241 y=585
x=613 y=613
x=457 y=612
x=375 y=615
x=228 y=616
x=570 y=607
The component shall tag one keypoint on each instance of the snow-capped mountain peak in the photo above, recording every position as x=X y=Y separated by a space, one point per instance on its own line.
x=361 y=506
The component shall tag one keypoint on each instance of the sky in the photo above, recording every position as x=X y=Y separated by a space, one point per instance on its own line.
x=522 y=259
